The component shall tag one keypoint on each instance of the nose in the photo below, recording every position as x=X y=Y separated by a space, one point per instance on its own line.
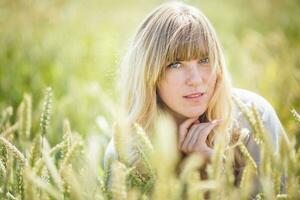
x=193 y=76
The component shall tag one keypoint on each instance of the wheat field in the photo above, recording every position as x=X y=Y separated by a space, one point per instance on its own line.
x=72 y=169
x=52 y=142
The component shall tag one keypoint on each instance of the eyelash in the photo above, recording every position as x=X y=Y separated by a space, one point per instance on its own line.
x=174 y=64
x=201 y=61
x=206 y=60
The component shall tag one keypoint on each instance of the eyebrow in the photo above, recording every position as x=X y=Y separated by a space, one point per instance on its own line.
x=172 y=62
x=177 y=59
x=181 y=60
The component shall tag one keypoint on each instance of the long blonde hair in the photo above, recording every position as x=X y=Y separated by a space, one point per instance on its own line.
x=172 y=31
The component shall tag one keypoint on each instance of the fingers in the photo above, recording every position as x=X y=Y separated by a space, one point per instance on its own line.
x=192 y=135
x=196 y=137
x=198 y=133
x=183 y=129
x=201 y=139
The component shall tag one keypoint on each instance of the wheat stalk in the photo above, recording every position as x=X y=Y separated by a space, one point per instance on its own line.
x=13 y=150
x=6 y=133
x=296 y=115
x=118 y=188
x=45 y=116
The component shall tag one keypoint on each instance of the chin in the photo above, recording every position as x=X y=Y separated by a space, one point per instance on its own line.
x=194 y=114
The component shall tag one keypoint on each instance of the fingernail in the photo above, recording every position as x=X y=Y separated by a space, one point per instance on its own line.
x=217 y=121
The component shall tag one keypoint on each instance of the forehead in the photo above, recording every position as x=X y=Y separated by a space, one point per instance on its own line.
x=186 y=41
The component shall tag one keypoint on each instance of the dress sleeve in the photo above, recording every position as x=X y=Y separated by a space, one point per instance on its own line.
x=274 y=132
x=273 y=127
x=110 y=153
x=277 y=133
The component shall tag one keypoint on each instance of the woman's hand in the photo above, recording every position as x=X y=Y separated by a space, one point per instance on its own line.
x=193 y=135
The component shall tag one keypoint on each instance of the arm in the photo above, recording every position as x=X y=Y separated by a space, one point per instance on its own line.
x=109 y=155
x=274 y=133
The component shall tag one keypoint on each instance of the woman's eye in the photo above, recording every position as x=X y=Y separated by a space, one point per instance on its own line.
x=175 y=65
x=204 y=60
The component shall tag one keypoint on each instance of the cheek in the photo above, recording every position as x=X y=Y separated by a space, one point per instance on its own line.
x=211 y=79
x=166 y=91
x=211 y=85
x=169 y=89
x=173 y=77
x=172 y=81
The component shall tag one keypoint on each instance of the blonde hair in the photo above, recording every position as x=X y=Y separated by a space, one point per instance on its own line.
x=172 y=31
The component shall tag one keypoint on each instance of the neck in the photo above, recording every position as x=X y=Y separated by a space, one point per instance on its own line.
x=178 y=118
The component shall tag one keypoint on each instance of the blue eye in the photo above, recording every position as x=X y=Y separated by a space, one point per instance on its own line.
x=175 y=65
x=204 y=60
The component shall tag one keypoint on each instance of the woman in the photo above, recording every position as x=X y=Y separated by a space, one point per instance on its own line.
x=175 y=63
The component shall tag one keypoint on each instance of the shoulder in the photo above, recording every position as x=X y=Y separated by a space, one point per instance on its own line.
x=271 y=122
x=249 y=98
x=267 y=113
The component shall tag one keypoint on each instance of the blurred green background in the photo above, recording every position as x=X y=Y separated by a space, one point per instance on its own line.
x=75 y=47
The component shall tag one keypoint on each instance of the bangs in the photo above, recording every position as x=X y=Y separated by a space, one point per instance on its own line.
x=186 y=42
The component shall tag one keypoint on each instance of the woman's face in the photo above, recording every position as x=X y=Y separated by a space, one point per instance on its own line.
x=187 y=88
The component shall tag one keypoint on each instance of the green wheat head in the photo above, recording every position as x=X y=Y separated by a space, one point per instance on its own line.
x=30 y=168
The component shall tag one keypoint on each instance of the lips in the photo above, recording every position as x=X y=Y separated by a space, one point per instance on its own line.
x=194 y=95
